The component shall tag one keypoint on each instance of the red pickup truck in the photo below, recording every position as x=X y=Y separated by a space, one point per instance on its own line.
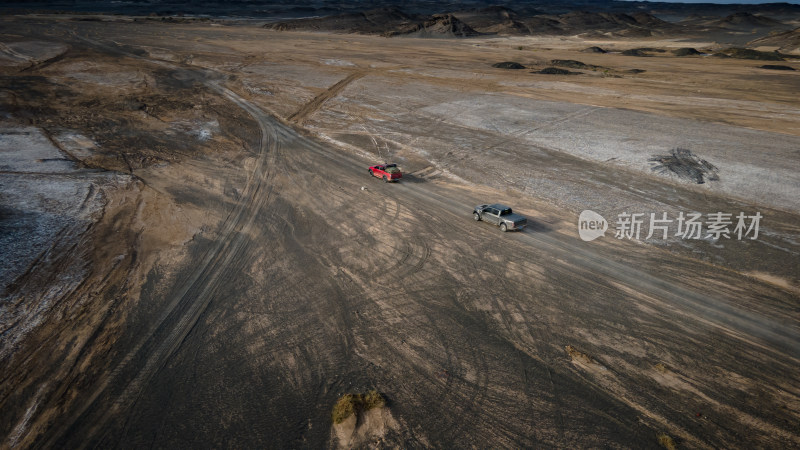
x=388 y=172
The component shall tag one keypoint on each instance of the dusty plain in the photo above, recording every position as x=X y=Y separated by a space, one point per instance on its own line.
x=195 y=256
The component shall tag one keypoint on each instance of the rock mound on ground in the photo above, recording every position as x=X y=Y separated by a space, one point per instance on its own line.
x=643 y=51
x=508 y=65
x=555 y=71
x=746 y=53
x=686 y=51
x=573 y=64
x=776 y=67
x=362 y=421
x=594 y=49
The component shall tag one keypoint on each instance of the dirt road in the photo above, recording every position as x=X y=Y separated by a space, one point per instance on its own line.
x=320 y=280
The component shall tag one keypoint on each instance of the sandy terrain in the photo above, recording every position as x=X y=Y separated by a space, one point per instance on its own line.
x=195 y=256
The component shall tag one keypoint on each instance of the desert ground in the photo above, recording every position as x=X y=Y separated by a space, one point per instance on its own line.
x=194 y=255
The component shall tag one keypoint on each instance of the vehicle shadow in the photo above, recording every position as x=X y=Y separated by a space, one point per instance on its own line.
x=537 y=227
x=412 y=179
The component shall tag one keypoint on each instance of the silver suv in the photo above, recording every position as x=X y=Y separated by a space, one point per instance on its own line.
x=500 y=215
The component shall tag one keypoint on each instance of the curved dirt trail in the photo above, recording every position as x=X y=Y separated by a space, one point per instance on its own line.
x=195 y=291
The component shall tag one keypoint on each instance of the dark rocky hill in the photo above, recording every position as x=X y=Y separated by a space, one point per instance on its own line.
x=786 y=41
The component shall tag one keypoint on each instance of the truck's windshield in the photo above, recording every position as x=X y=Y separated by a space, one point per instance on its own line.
x=505 y=212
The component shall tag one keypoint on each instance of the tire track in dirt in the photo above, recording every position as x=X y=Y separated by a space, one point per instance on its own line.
x=309 y=108
x=383 y=213
x=509 y=310
x=588 y=259
x=722 y=315
x=480 y=392
x=465 y=396
x=15 y=54
x=445 y=362
x=341 y=285
x=781 y=337
x=559 y=246
x=724 y=318
x=185 y=308
x=448 y=358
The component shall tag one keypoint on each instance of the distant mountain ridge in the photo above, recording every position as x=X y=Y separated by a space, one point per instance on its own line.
x=492 y=20
x=744 y=20
x=281 y=10
x=440 y=25
x=375 y=21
